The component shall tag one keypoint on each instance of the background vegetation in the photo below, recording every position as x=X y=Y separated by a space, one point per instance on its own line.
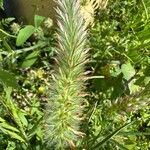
x=117 y=112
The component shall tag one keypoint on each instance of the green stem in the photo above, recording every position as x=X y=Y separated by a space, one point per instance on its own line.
x=12 y=36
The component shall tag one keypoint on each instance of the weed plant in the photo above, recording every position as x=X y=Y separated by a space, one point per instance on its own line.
x=43 y=74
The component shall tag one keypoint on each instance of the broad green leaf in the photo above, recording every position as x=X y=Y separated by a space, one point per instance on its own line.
x=30 y=59
x=133 y=87
x=116 y=72
x=146 y=80
x=128 y=71
x=24 y=34
x=38 y=20
x=8 y=79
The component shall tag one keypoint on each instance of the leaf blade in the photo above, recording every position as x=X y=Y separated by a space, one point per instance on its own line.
x=24 y=34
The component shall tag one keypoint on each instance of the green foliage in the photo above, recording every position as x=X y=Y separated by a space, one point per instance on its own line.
x=38 y=20
x=120 y=53
x=30 y=59
x=29 y=52
x=21 y=114
x=42 y=102
x=24 y=34
x=7 y=79
x=28 y=30
x=128 y=71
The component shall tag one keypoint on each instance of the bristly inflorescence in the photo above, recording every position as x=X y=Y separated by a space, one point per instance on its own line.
x=66 y=93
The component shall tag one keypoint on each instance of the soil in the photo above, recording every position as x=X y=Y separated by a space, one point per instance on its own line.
x=24 y=10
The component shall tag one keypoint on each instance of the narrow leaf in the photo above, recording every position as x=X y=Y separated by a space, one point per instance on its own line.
x=30 y=59
x=23 y=119
x=4 y=124
x=12 y=134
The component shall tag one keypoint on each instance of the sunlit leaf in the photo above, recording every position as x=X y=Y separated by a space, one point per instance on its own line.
x=4 y=124
x=38 y=20
x=23 y=118
x=24 y=34
x=12 y=134
x=128 y=71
